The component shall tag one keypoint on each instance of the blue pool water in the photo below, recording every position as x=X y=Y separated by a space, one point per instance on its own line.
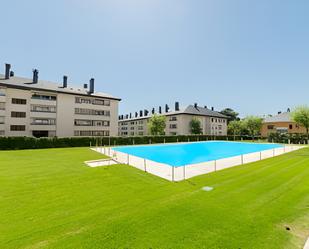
x=190 y=153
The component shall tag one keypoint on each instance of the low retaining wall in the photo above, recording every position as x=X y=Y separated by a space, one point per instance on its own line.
x=187 y=171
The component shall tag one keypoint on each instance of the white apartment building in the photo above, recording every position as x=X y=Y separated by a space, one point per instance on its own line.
x=177 y=122
x=33 y=107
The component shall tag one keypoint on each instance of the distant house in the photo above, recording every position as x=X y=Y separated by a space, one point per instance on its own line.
x=281 y=123
x=177 y=121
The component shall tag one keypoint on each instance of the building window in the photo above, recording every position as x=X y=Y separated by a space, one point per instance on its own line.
x=19 y=101
x=2 y=106
x=18 y=114
x=41 y=108
x=43 y=97
x=1 y=133
x=83 y=111
x=290 y=126
x=91 y=133
x=2 y=92
x=81 y=100
x=85 y=122
x=18 y=127
x=173 y=126
x=173 y=118
x=1 y=120
x=43 y=121
x=270 y=127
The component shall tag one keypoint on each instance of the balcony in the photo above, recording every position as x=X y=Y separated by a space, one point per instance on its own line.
x=35 y=101
x=34 y=114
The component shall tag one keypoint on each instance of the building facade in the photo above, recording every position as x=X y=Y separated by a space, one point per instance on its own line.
x=32 y=107
x=177 y=122
x=281 y=123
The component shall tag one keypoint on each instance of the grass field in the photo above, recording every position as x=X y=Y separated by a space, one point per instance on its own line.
x=50 y=199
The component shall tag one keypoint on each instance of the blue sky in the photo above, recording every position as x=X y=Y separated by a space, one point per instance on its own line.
x=252 y=56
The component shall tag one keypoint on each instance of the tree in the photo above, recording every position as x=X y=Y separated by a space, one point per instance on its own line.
x=231 y=114
x=195 y=126
x=157 y=124
x=301 y=116
x=235 y=127
x=253 y=124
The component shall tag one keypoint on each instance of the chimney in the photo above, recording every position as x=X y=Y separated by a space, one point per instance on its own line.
x=136 y=114
x=205 y=106
x=212 y=108
x=130 y=115
x=141 y=113
x=288 y=110
x=85 y=86
x=11 y=74
x=91 y=84
x=119 y=117
x=65 y=81
x=176 y=106
x=279 y=112
x=35 y=76
x=160 y=109
x=7 y=71
x=153 y=111
x=146 y=112
x=195 y=105
x=166 y=108
x=127 y=116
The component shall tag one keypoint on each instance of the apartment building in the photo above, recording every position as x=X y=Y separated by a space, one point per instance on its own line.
x=177 y=121
x=281 y=123
x=33 y=107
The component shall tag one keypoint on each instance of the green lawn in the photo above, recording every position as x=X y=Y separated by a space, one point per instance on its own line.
x=50 y=199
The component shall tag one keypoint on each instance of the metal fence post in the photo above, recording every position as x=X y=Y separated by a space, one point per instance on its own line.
x=184 y=172
x=215 y=165
x=172 y=173
x=260 y=155
x=242 y=159
x=273 y=152
x=145 y=165
x=128 y=159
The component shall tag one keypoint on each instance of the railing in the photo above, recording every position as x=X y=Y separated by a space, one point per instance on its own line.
x=187 y=171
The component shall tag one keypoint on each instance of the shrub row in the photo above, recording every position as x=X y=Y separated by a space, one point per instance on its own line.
x=17 y=143
x=286 y=138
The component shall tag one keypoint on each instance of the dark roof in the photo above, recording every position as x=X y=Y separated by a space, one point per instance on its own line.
x=190 y=110
x=202 y=111
x=43 y=85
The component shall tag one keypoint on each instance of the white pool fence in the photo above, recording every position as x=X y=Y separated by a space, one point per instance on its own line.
x=187 y=171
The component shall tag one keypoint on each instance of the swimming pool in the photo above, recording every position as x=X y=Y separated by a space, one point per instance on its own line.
x=181 y=154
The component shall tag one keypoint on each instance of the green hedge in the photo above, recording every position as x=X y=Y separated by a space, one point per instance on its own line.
x=18 y=143
x=286 y=138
